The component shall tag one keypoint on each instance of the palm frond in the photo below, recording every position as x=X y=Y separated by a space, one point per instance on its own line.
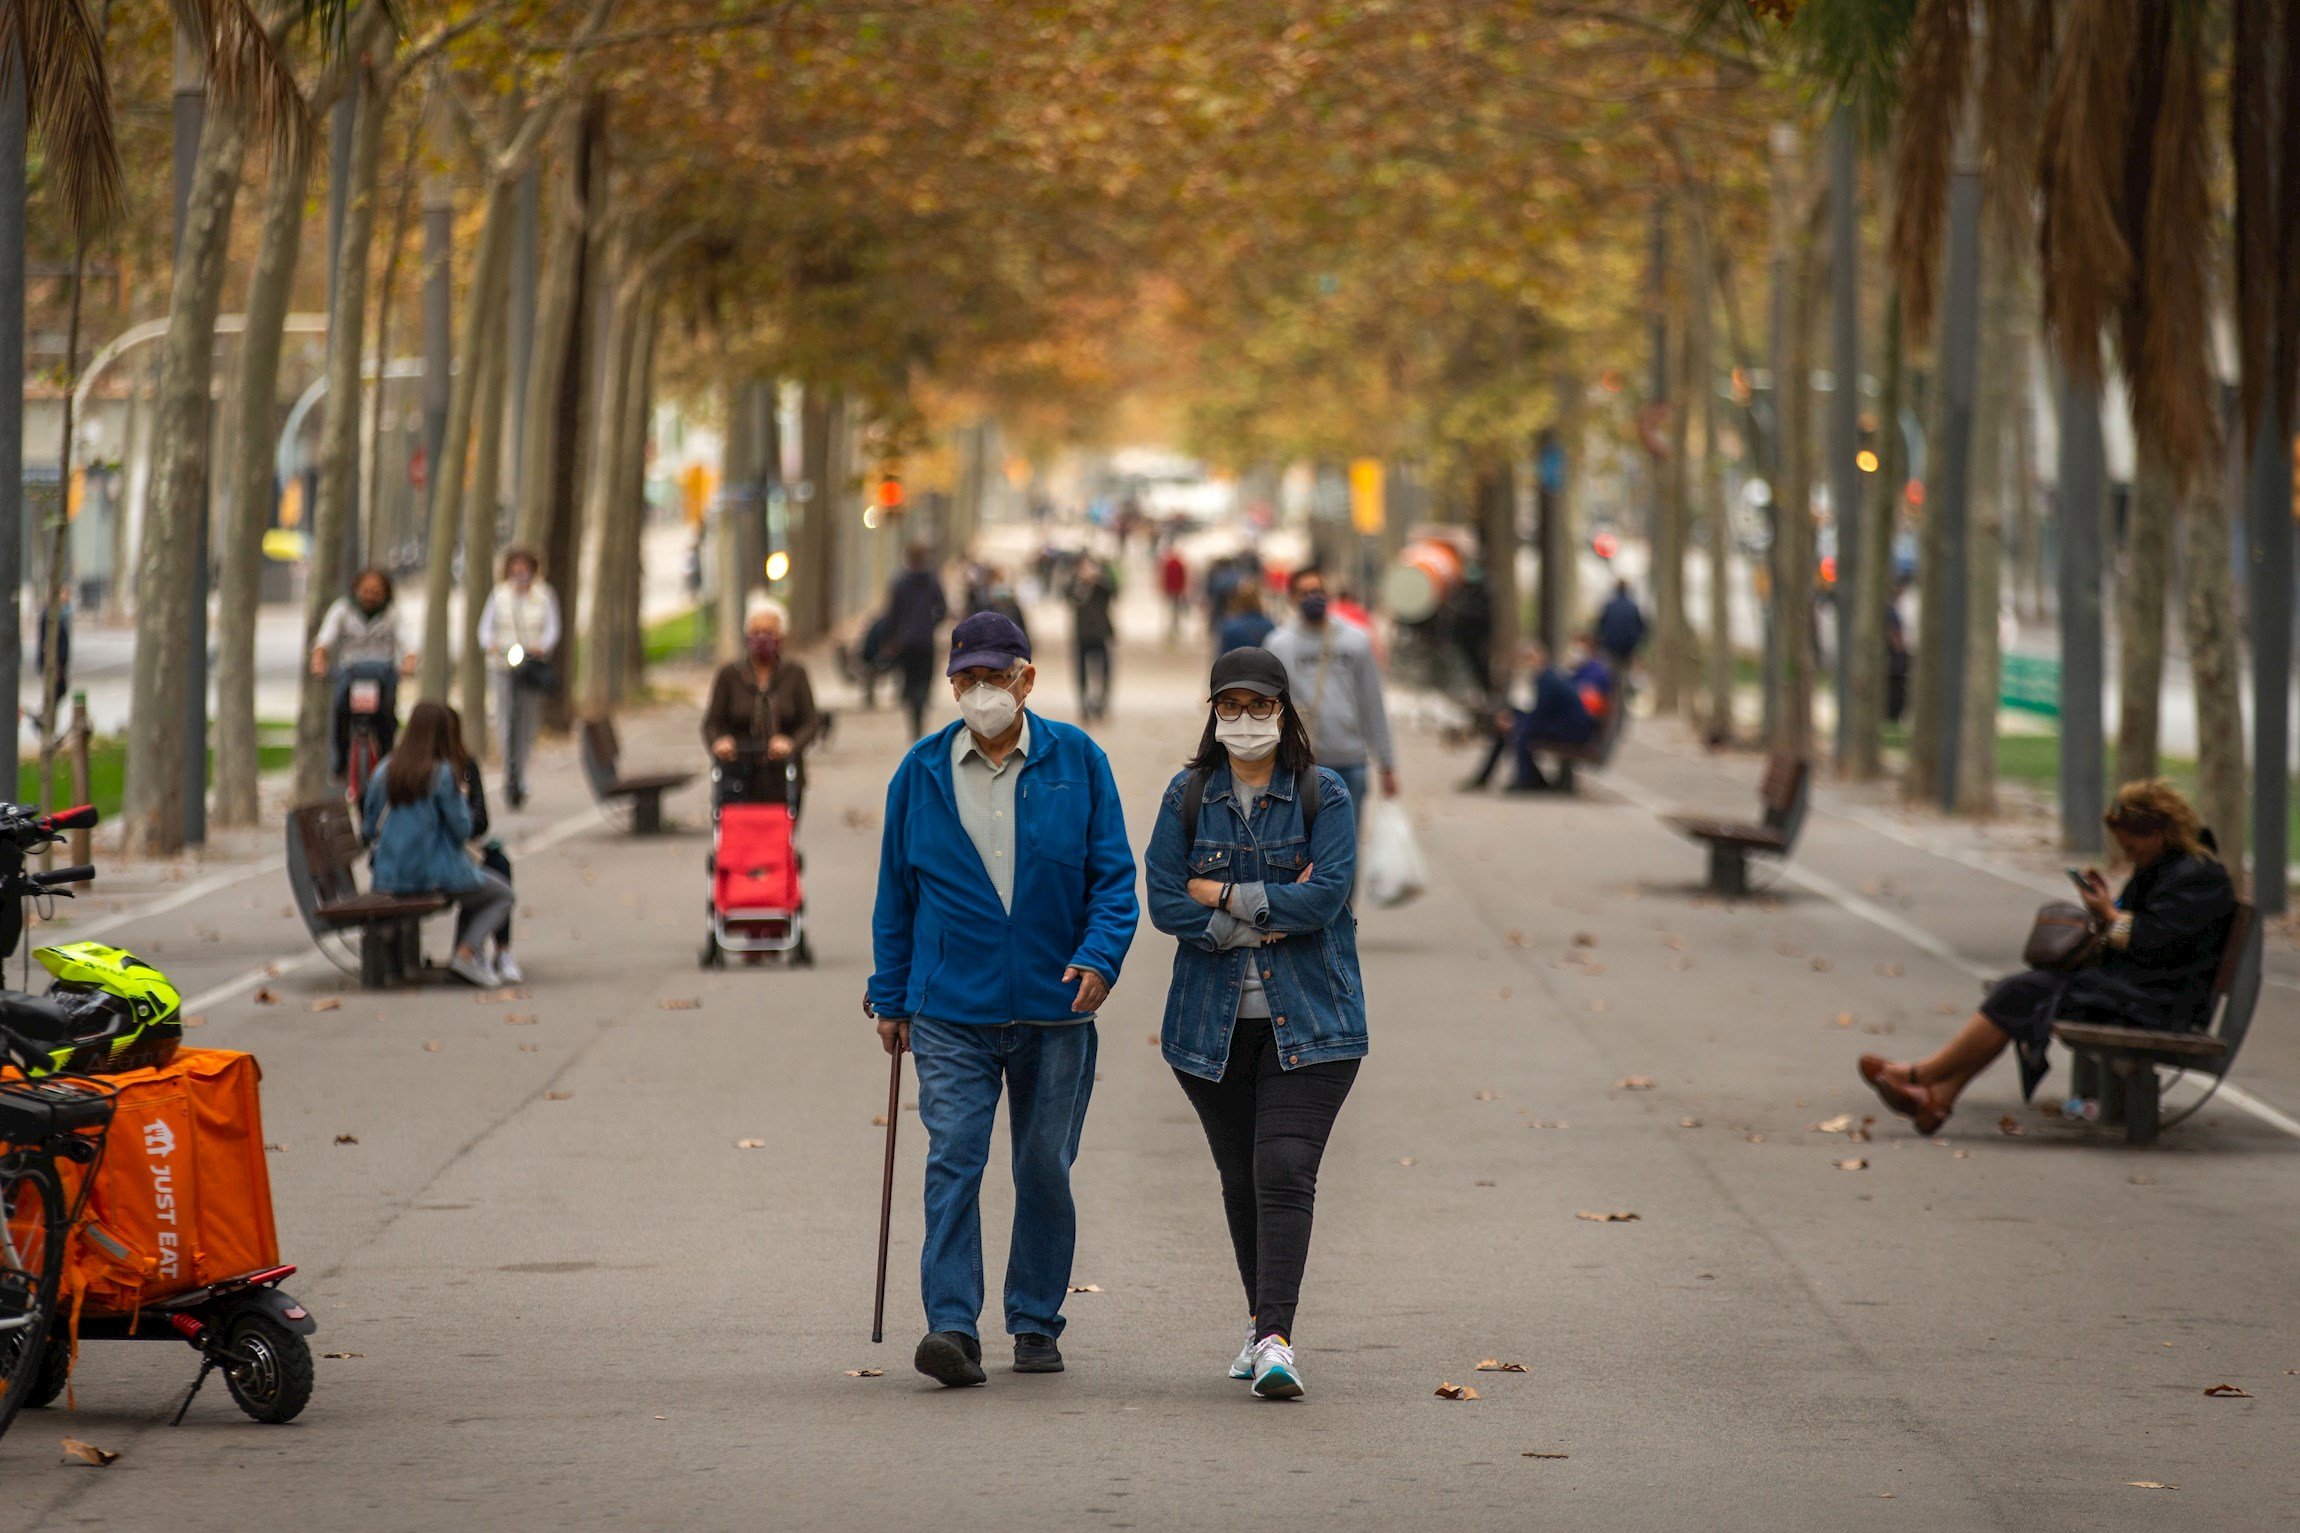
x=248 y=74
x=68 y=98
x=2085 y=258
x=2168 y=324
x=1933 y=89
x=1857 y=46
x=2019 y=47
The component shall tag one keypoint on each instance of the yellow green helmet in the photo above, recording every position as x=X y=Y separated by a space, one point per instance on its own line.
x=124 y=1014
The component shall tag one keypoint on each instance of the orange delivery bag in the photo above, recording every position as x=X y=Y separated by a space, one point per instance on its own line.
x=182 y=1197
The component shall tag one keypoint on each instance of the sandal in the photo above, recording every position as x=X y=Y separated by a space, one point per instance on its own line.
x=1911 y=1102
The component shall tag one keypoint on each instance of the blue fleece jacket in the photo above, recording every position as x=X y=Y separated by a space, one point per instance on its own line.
x=944 y=947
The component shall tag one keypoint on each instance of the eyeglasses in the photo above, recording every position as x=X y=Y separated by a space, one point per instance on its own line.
x=1003 y=680
x=1259 y=708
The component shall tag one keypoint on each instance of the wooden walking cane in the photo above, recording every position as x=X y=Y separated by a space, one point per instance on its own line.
x=886 y=1192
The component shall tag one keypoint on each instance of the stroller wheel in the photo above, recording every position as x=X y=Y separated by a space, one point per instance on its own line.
x=712 y=956
x=802 y=956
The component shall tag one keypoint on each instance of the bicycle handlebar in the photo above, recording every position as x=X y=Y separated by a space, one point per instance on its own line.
x=80 y=817
x=81 y=874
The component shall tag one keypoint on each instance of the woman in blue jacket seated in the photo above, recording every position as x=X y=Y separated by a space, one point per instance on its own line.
x=415 y=816
x=2161 y=943
x=1250 y=867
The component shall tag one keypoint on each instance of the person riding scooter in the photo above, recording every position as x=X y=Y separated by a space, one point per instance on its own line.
x=358 y=641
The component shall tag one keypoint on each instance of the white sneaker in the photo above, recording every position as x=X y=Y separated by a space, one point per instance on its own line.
x=474 y=970
x=507 y=969
x=1243 y=1367
x=1275 y=1377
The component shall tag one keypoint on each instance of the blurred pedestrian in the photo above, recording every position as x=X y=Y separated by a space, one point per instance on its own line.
x=1267 y=931
x=1337 y=687
x=999 y=596
x=359 y=638
x=915 y=608
x=414 y=814
x=1003 y=916
x=1246 y=626
x=1093 y=588
x=762 y=701
x=1621 y=627
x=1174 y=582
x=519 y=632
x=56 y=617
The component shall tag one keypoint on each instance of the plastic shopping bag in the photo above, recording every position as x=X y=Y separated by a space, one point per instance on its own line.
x=1394 y=869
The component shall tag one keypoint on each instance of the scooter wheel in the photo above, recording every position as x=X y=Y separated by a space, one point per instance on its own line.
x=271 y=1375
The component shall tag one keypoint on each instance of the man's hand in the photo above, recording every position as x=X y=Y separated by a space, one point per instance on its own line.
x=894 y=1035
x=319 y=662
x=724 y=747
x=779 y=748
x=1389 y=782
x=408 y=663
x=1206 y=891
x=1093 y=989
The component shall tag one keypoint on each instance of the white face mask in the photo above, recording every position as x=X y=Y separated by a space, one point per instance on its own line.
x=989 y=711
x=1249 y=738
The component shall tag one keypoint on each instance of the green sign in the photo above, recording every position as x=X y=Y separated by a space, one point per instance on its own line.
x=2031 y=683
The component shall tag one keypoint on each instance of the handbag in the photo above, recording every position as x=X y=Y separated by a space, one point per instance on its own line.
x=2062 y=939
x=534 y=674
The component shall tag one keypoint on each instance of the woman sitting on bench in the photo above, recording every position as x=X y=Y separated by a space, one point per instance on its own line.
x=2161 y=943
x=1561 y=708
x=415 y=816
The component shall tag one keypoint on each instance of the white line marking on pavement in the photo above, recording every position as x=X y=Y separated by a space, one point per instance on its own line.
x=1878 y=916
x=232 y=990
x=192 y=892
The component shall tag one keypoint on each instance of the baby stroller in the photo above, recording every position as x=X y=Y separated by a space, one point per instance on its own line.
x=757 y=907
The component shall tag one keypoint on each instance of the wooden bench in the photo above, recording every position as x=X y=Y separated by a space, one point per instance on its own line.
x=1782 y=798
x=602 y=767
x=2117 y=1065
x=1598 y=749
x=323 y=857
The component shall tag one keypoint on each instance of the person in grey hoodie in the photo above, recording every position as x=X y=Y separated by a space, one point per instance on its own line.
x=1336 y=685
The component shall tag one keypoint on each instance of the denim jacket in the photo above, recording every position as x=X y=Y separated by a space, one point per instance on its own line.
x=1317 y=1002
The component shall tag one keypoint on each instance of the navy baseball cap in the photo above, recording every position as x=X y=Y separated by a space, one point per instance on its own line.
x=990 y=639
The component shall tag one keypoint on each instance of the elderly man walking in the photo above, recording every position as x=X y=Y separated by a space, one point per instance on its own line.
x=1005 y=907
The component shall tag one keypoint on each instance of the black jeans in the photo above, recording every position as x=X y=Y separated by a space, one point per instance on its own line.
x=917 y=686
x=1093 y=678
x=1267 y=1127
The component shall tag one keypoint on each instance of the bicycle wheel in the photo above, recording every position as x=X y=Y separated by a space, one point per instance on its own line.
x=33 y=1228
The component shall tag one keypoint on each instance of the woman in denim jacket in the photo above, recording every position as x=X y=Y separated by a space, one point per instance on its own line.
x=1266 y=1016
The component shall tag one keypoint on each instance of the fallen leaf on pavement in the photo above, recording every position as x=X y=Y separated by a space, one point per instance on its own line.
x=343 y=1354
x=680 y=1003
x=1634 y=1083
x=1962 y=1154
x=328 y=1003
x=1086 y=1288
x=281 y=1148
x=1840 y=1124
x=2228 y=1392
x=1152 y=1040
x=498 y=997
x=1601 y=1005
x=1855 y=1164
x=197 y=1019
x=88 y=1453
x=1788 y=950
x=878 y=1120
x=1842 y=1019
x=1517 y=939
x=750 y=1144
x=1486 y=1096
x=1452 y=1391
x=1585 y=939
x=347 y=1139
x=531 y=1048
x=264 y=997
x=2008 y=1124
x=1623 y=1217
x=519 y=1018
x=1822 y=966
x=1947 y=1008
x=866 y=1373
x=1680 y=964
x=1688 y=1122
x=1485 y=1182
x=2142 y=1181
x=1529 y=1453
x=557 y=1096
x=1492 y=1365
x=1407 y=1161
x=1890 y=970
x=1754 y=1138
x=2150 y=1485
x=1549 y=1123
x=1672 y=940
x=433 y=1046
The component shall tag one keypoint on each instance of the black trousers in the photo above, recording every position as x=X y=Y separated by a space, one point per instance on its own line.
x=1093 y=678
x=1267 y=1127
x=917 y=685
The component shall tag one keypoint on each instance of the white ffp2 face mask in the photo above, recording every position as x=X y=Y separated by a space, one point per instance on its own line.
x=989 y=711
x=1249 y=738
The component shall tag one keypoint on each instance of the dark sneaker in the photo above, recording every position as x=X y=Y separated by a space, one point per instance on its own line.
x=950 y=1358
x=1034 y=1353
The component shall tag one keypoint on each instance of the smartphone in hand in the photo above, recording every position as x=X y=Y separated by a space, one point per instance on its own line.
x=2081 y=879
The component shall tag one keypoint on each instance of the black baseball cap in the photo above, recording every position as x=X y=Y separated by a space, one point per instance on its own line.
x=989 y=639
x=1248 y=670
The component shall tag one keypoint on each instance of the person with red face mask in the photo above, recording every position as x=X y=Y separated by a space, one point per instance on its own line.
x=764 y=698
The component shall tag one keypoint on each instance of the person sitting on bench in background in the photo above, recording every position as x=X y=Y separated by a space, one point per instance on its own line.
x=415 y=816
x=2161 y=942
x=1547 y=706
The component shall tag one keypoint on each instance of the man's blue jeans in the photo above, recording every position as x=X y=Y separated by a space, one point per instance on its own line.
x=1048 y=1074
x=1354 y=779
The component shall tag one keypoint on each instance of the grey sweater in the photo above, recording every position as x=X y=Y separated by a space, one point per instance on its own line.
x=1343 y=707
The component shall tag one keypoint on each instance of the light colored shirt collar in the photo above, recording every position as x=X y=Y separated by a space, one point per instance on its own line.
x=968 y=745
